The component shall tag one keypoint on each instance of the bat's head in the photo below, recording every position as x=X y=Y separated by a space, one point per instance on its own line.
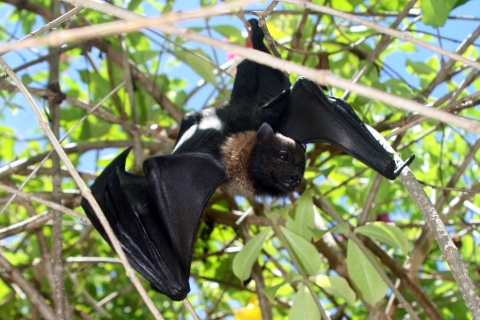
x=277 y=163
x=263 y=163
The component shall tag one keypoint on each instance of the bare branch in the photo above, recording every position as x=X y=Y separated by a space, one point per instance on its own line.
x=29 y=224
x=50 y=204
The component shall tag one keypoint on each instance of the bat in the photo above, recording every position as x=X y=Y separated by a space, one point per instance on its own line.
x=254 y=145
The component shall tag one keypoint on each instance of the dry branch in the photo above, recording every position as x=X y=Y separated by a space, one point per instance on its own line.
x=52 y=205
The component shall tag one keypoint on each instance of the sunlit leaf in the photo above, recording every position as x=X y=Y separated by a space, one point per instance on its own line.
x=271 y=291
x=231 y=33
x=243 y=262
x=364 y=276
x=303 y=220
x=385 y=233
x=198 y=61
x=435 y=12
x=304 y=307
x=304 y=251
x=336 y=286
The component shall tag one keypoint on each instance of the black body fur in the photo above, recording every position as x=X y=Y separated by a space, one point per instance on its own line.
x=155 y=217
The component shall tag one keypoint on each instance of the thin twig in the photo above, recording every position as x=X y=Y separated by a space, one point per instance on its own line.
x=25 y=225
x=188 y=305
x=93 y=260
x=447 y=188
x=50 y=204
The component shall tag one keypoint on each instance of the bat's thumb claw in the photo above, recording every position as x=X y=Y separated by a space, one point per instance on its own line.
x=410 y=159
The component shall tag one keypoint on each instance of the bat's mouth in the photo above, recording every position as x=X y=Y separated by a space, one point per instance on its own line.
x=287 y=184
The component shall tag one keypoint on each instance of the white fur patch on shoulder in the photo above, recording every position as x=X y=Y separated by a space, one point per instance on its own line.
x=187 y=135
x=210 y=123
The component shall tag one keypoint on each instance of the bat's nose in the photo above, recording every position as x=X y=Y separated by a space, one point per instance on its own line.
x=295 y=180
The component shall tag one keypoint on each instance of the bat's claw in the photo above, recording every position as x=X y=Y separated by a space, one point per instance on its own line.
x=410 y=159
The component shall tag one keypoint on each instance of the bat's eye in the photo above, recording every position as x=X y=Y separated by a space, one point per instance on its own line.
x=282 y=155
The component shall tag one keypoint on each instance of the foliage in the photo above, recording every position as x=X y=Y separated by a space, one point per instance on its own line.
x=167 y=70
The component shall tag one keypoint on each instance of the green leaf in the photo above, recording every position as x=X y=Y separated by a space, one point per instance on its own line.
x=460 y=3
x=342 y=227
x=199 y=65
x=271 y=291
x=94 y=128
x=304 y=251
x=232 y=33
x=364 y=276
x=302 y=221
x=98 y=84
x=435 y=12
x=419 y=68
x=398 y=87
x=317 y=234
x=407 y=47
x=336 y=286
x=390 y=5
x=284 y=212
x=385 y=233
x=26 y=79
x=28 y=20
x=339 y=228
x=273 y=215
x=326 y=172
x=243 y=261
x=144 y=55
x=133 y=4
x=304 y=307
x=311 y=173
x=8 y=144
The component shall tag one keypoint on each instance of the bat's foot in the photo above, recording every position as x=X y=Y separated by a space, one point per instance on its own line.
x=397 y=172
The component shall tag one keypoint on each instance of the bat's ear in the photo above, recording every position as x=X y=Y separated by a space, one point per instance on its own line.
x=264 y=132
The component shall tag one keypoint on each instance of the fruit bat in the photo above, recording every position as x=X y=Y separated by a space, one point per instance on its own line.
x=254 y=145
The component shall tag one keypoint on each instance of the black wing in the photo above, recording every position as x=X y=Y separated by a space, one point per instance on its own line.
x=156 y=217
x=255 y=81
x=304 y=113
x=312 y=116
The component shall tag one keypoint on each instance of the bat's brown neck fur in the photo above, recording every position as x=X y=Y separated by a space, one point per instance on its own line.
x=236 y=153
